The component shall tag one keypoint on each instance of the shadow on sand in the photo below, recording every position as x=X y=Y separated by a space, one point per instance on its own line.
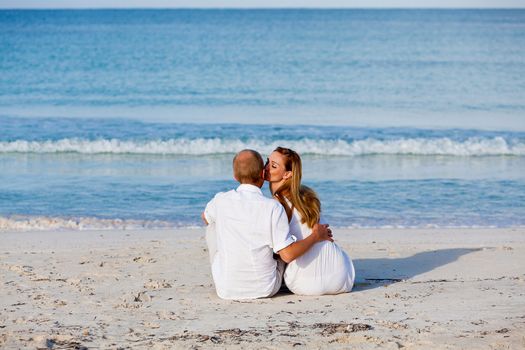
x=373 y=273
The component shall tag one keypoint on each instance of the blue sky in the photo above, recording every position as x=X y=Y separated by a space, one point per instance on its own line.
x=262 y=4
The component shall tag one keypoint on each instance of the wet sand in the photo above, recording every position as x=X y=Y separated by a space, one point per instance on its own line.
x=436 y=288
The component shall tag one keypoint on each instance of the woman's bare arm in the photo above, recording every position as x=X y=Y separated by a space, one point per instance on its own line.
x=320 y=233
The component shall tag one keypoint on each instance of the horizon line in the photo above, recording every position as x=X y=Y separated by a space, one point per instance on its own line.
x=260 y=8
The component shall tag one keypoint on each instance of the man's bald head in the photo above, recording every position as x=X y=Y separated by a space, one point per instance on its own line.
x=248 y=166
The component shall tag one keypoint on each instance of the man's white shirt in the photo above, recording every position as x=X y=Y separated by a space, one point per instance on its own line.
x=250 y=228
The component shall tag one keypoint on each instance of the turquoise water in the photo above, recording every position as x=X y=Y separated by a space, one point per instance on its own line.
x=404 y=118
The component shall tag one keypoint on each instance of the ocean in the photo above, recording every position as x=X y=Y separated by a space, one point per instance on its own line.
x=129 y=119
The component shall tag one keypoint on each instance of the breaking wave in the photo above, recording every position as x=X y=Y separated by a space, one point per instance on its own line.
x=207 y=146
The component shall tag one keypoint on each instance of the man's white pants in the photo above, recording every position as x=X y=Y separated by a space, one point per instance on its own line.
x=211 y=240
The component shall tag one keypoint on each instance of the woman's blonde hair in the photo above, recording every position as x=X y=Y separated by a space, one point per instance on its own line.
x=303 y=198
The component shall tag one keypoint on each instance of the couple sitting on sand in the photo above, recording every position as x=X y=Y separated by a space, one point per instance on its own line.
x=254 y=241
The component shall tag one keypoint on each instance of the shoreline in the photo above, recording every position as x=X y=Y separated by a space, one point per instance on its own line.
x=415 y=288
x=182 y=229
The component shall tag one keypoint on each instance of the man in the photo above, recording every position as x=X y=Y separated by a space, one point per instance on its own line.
x=245 y=229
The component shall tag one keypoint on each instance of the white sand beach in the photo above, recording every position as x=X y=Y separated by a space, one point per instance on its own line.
x=416 y=289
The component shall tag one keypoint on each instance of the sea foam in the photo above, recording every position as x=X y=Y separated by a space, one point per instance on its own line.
x=46 y=223
x=207 y=146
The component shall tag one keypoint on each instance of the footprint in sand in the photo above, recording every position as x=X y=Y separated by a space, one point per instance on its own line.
x=134 y=300
x=167 y=315
x=157 y=284
x=392 y=325
x=24 y=270
x=57 y=342
x=151 y=325
x=144 y=260
x=60 y=302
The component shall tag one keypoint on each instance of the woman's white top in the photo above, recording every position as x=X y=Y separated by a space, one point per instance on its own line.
x=324 y=269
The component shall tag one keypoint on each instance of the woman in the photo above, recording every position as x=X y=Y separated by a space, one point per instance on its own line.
x=325 y=268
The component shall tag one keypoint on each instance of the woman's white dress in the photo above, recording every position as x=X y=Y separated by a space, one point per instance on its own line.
x=323 y=269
